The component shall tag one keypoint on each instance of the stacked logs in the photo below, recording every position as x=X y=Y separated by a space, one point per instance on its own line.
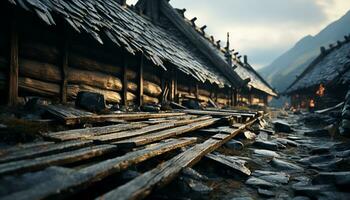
x=40 y=74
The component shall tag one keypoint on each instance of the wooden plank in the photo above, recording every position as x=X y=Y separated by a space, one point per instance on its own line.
x=74 y=182
x=71 y=116
x=43 y=150
x=230 y=162
x=153 y=137
x=149 y=129
x=230 y=111
x=19 y=147
x=143 y=185
x=217 y=113
x=56 y=159
x=125 y=79
x=95 y=131
x=13 y=72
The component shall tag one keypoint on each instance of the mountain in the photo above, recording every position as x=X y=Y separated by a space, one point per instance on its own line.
x=283 y=71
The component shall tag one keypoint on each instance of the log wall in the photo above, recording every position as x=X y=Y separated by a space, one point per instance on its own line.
x=47 y=68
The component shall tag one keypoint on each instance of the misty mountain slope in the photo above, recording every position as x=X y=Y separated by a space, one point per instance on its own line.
x=283 y=71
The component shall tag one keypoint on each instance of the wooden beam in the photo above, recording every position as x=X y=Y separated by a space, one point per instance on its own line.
x=176 y=87
x=43 y=150
x=13 y=72
x=197 y=90
x=140 y=81
x=62 y=186
x=143 y=185
x=55 y=159
x=172 y=85
x=125 y=80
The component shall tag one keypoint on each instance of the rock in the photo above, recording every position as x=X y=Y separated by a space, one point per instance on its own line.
x=235 y=145
x=287 y=142
x=192 y=104
x=283 y=165
x=267 y=131
x=262 y=136
x=191 y=173
x=194 y=188
x=312 y=191
x=319 y=151
x=301 y=198
x=3 y=126
x=150 y=108
x=316 y=159
x=89 y=101
x=266 y=193
x=266 y=145
x=343 y=154
x=294 y=138
x=242 y=198
x=276 y=178
x=344 y=132
x=345 y=124
x=257 y=182
x=281 y=126
x=337 y=178
x=265 y=153
x=247 y=135
x=334 y=164
x=318 y=133
x=333 y=195
x=346 y=114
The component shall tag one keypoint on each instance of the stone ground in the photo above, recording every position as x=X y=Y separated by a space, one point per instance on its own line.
x=307 y=163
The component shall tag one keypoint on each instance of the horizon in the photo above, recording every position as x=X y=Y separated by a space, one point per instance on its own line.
x=266 y=29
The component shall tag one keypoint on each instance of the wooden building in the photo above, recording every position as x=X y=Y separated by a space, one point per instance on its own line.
x=132 y=55
x=326 y=80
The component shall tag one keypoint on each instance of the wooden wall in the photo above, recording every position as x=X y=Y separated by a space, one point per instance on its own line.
x=57 y=63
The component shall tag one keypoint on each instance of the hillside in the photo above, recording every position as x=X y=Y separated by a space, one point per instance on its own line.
x=290 y=64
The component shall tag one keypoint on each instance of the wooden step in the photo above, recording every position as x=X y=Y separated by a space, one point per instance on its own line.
x=71 y=183
x=149 y=129
x=153 y=137
x=43 y=150
x=230 y=162
x=55 y=159
x=217 y=113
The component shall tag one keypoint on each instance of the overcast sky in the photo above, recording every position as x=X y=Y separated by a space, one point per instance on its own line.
x=262 y=29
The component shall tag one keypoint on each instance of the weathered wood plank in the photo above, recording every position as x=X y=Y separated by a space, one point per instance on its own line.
x=164 y=173
x=95 y=131
x=43 y=150
x=153 y=137
x=56 y=159
x=217 y=113
x=74 y=116
x=71 y=183
x=149 y=129
x=143 y=185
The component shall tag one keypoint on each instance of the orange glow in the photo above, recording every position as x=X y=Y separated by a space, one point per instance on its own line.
x=320 y=91
x=312 y=103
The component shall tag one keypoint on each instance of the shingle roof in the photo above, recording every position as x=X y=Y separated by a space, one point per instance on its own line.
x=125 y=28
x=331 y=67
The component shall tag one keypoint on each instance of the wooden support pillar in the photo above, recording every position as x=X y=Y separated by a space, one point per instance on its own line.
x=125 y=80
x=64 y=67
x=197 y=91
x=175 y=87
x=13 y=72
x=235 y=97
x=172 y=85
x=140 y=88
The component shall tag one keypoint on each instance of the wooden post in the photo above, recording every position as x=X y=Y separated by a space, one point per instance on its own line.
x=140 y=88
x=172 y=86
x=13 y=72
x=64 y=69
x=197 y=91
x=125 y=80
x=235 y=97
x=175 y=87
